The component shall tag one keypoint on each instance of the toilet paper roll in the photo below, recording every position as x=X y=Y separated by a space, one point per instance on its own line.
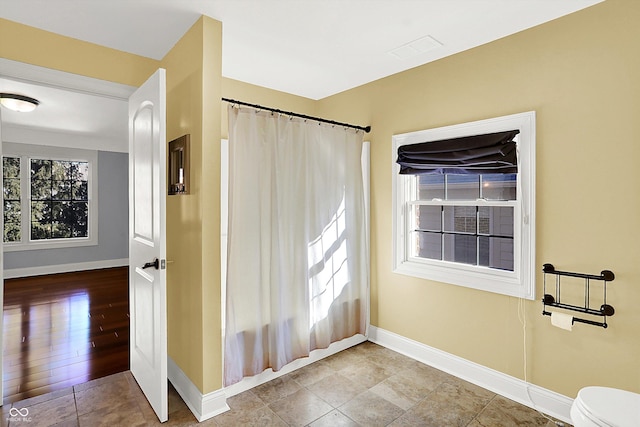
x=561 y=320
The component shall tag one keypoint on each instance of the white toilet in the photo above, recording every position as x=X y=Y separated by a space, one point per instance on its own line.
x=605 y=407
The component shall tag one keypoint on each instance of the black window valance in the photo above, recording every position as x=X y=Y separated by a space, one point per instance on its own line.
x=477 y=154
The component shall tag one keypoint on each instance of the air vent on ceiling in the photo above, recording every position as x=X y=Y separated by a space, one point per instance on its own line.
x=416 y=47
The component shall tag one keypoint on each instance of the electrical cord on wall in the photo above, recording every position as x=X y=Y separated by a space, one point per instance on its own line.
x=522 y=317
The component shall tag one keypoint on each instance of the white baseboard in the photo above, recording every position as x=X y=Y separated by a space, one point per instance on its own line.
x=211 y=404
x=63 y=268
x=268 y=375
x=203 y=406
x=531 y=395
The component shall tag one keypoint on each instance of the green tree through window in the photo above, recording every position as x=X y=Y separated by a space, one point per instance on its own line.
x=11 y=191
x=59 y=199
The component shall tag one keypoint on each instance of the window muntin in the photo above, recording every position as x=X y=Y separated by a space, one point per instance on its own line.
x=59 y=199
x=478 y=233
x=50 y=197
x=502 y=271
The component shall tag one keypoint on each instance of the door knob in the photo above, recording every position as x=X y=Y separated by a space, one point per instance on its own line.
x=155 y=264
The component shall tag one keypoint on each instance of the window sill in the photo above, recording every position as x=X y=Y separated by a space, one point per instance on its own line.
x=481 y=278
x=51 y=244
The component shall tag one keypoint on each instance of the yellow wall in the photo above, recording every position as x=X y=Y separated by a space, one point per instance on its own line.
x=581 y=74
x=194 y=69
x=194 y=89
x=193 y=106
x=241 y=91
x=37 y=47
x=211 y=296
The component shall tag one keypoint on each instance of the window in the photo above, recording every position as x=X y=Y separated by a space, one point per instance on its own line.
x=49 y=197
x=473 y=229
x=463 y=218
x=12 y=199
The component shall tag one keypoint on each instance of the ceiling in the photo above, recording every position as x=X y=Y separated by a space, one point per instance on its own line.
x=310 y=48
x=74 y=111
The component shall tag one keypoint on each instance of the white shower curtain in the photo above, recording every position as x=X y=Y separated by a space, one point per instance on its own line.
x=297 y=268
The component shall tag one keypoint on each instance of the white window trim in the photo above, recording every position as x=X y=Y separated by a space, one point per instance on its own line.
x=55 y=153
x=520 y=282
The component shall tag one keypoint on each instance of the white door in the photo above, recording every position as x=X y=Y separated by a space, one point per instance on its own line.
x=147 y=249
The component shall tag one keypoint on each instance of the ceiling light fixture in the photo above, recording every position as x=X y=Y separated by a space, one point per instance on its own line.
x=19 y=103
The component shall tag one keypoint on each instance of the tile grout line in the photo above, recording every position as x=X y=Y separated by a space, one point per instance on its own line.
x=75 y=404
x=439 y=386
x=482 y=410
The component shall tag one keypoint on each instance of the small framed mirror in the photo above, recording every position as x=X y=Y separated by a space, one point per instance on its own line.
x=178 y=171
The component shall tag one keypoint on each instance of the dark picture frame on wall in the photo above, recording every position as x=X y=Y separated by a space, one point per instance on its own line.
x=178 y=162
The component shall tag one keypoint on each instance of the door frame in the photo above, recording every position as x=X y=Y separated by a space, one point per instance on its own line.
x=42 y=76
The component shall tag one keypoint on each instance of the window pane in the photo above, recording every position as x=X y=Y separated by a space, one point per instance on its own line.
x=463 y=187
x=460 y=219
x=460 y=248
x=428 y=218
x=80 y=216
x=60 y=230
x=80 y=190
x=12 y=221
x=61 y=190
x=499 y=186
x=496 y=252
x=430 y=187
x=428 y=245
x=80 y=171
x=496 y=220
x=40 y=230
x=40 y=169
x=12 y=211
x=12 y=232
x=61 y=211
x=11 y=191
x=11 y=188
x=60 y=170
x=40 y=211
x=40 y=189
x=11 y=167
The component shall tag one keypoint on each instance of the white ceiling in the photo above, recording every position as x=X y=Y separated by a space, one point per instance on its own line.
x=311 y=48
x=67 y=111
x=74 y=111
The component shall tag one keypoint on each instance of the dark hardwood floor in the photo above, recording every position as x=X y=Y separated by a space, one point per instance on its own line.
x=64 y=329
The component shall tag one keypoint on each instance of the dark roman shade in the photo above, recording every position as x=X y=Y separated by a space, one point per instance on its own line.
x=477 y=154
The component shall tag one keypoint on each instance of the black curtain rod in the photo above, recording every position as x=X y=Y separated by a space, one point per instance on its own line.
x=367 y=129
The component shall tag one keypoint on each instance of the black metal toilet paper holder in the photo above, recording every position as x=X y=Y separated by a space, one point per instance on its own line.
x=555 y=301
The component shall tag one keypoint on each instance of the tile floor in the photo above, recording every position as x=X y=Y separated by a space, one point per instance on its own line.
x=366 y=385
